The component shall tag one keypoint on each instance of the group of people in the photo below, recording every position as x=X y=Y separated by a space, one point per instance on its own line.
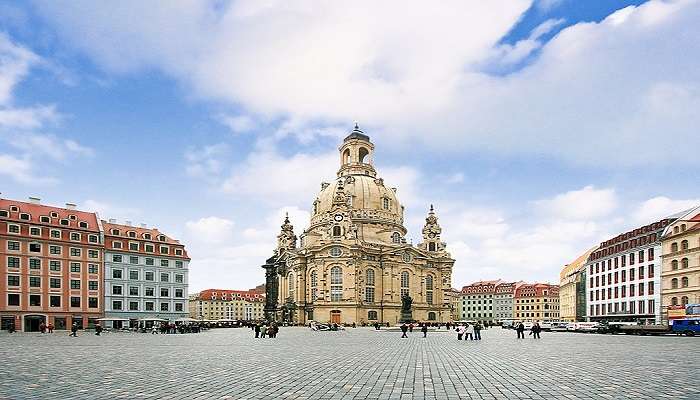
x=44 y=328
x=534 y=331
x=262 y=330
x=409 y=328
x=472 y=331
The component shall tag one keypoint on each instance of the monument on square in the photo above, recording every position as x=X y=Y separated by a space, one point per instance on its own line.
x=406 y=311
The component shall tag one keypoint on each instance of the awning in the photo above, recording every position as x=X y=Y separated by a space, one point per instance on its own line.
x=153 y=319
x=112 y=319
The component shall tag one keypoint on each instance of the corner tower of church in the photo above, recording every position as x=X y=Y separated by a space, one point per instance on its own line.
x=353 y=263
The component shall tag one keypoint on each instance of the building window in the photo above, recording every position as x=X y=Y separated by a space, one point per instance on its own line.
x=116 y=305
x=35 y=247
x=148 y=248
x=674 y=283
x=369 y=288
x=179 y=264
x=149 y=261
x=117 y=290
x=164 y=263
x=92 y=238
x=336 y=284
x=133 y=290
x=75 y=252
x=164 y=250
x=133 y=246
x=54 y=265
x=674 y=247
x=150 y=291
x=385 y=203
x=74 y=267
x=336 y=230
x=93 y=254
x=13 y=299
x=116 y=245
x=335 y=251
x=133 y=306
x=34 y=281
x=133 y=260
x=164 y=277
x=25 y=217
x=404 y=283
x=178 y=307
x=684 y=300
x=93 y=285
x=13 y=228
x=13 y=262
x=684 y=282
x=74 y=236
x=35 y=300
x=179 y=293
x=54 y=301
x=179 y=278
x=12 y=245
x=164 y=306
x=674 y=265
x=34 y=263
x=314 y=284
x=395 y=237
x=163 y=292
x=116 y=274
x=684 y=263
x=429 y=289
x=75 y=302
x=431 y=316
x=34 y=231
x=684 y=245
x=372 y=315
x=12 y=280
x=92 y=302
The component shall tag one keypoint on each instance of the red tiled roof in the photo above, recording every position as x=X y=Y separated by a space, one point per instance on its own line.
x=36 y=211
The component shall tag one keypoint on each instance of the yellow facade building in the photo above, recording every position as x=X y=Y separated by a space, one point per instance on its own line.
x=353 y=263
x=680 y=271
x=216 y=304
x=572 y=296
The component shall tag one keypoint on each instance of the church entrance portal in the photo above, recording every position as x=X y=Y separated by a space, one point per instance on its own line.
x=335 y=317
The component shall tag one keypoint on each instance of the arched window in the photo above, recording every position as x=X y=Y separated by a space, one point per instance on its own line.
x=369 y=288
x=429 y=289
x=395 y=237
x=336 y=230
x=684 y=245
x=290 y=285
x=431 y=246
x=674 y=265
x=372 y=315
x=684 y=281
x=684 y=263
x=335 y=251
x=404 y=283
x=682 y=227
x=431 y=316
x=346 y=156
x=314 y=285
x=684 y=300
x=674 y=247
x=385 y=203
x=336 y=284
x=674 y=283
x=674 y=301
x=363 y=155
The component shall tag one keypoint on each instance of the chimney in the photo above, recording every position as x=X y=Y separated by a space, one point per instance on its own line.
x=127 y=223
x=34 y=200
x=70 y=206
x=112 y=221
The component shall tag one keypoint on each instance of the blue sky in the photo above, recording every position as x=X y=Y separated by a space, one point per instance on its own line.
x=537 y=128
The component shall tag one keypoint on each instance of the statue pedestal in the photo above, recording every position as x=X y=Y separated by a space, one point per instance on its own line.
x=406 y=316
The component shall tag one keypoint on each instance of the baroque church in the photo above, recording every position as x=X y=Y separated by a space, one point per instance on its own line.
x=352 y=264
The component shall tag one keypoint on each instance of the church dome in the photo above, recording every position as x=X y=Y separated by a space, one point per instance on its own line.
x=359 y=195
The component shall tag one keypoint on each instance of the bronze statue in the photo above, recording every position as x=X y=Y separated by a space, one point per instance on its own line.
x=406 y=302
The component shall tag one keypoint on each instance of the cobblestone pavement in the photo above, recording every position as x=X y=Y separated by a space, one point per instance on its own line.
x=356 y=364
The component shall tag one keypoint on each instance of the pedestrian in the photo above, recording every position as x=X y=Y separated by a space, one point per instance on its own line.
x=469 y=331
x=477 y=331
x=74 y=329
x=263 y=331
x=50 y=327
x=404 y=329
x=98 y=329
x=424 y=329
x=460 y=332
x=257 y=330
x=154 y=329
x=410 y=327
x=520 y=329
x=535 y=331
x=42 y=327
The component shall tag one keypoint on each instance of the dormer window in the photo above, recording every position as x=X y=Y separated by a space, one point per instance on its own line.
x=395 y=237
x=147 y=236
x=131 y=234
x=178 y=252
x=161 y=238
x=25 y=216
x=14 y=209
x=53 y=214
x=45 y=219
x=72 y=217
x=83 y=224
x=4 y=213
x=115 y=232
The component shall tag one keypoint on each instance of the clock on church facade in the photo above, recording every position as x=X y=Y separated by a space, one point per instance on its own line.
x=352 y=263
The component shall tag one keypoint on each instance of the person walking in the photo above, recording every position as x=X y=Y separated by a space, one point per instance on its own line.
x=477 y=331
x=98 y=329
x=469 y=331
x=535 y=331
x=74 y=329
x=520 y=329
x=263 y=331
x=50 y=327
x=410 y=327
x=42 y=327
x=257 y=330
x=404 y=329
x=460 y=332
x=424 y=329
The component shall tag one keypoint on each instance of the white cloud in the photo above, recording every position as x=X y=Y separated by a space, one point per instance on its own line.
x=14 y=66
x=206 y=162
x=108 y=210
x=22 y=171
x=409 y=70
x=238 y=123
x=211 y=229
x=583 y=204
x=660 y=207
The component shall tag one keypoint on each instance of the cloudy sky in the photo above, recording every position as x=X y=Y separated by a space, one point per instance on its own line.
x=537 y=128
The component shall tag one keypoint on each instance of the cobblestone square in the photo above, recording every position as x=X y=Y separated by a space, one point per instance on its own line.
x=356 y=364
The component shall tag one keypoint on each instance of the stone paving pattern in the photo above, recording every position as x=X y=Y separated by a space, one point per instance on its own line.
x=356 y=364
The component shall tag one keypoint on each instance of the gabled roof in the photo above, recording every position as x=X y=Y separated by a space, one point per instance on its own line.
x=36 y=211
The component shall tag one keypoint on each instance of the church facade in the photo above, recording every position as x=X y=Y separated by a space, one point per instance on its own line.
x=352 y=264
